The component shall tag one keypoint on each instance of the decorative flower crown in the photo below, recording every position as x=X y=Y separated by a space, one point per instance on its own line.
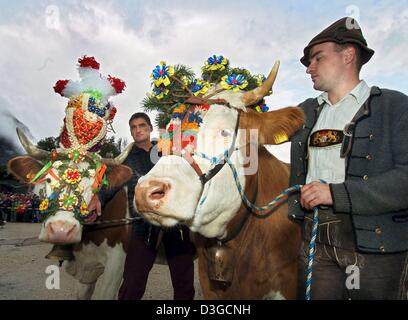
x=87 y=117
x=89 y=112
x=174 y=85
x=67 y=193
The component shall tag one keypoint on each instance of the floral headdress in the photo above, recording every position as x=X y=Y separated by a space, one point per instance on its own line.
x=173 y=87
x=89 y=112
x=87 y=117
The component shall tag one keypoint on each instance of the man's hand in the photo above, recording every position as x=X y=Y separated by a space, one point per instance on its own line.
x=95 y=206
x=314 y=194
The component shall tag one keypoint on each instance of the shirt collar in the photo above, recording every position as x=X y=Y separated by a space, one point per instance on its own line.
x=137 y=150
x=359 y=93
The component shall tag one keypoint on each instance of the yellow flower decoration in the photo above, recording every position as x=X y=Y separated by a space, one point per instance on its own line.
x=185 y=81
x=75 y=102
x=164 y=145
x=180 y=109
x=83 y=209
x=44 y=205
x=189 y=125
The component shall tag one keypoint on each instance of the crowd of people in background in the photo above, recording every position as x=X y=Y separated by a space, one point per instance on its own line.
x=16 y=207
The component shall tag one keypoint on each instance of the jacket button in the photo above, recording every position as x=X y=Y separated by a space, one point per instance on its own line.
x=369 y=157
x=365 y=177
x=371 y=137
x=382 y=248
x=298 y=174
x=301 y=159
x=378 y=231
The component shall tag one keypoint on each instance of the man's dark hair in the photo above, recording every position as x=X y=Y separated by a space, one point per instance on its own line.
x=141 y=115
x=341 y=47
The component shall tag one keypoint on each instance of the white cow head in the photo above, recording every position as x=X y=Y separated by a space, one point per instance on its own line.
x=66 y=185
x=172 y=191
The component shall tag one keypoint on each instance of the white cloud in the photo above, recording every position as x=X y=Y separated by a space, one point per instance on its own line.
x=250 y=35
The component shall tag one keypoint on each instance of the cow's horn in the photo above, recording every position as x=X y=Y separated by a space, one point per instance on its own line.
x=120 y=158
x=251 y=97
x=30 y=148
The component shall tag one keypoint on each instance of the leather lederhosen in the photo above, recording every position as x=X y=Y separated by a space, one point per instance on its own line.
x=334 y=229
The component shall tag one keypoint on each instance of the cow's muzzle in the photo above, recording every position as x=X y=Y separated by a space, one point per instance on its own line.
x=61 y=232
x=150 y=195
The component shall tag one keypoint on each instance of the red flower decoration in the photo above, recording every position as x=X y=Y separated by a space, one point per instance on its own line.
x=88 y=62
x=112 y=113
x=60 y=86
x=117 y=84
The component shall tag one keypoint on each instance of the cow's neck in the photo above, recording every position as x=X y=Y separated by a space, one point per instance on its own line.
x=255 y=189
x=236 y=225
x=114 y=233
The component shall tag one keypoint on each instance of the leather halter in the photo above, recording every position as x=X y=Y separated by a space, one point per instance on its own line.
x=205 y=177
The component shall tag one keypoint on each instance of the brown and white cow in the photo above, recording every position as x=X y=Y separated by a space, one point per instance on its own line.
x=99 y=250
x=263 y=255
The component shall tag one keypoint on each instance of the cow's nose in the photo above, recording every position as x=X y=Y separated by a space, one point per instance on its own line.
x=61 y=232
x=150 y=194
x=158 y=192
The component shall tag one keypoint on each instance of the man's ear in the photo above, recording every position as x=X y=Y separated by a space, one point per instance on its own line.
x=349 y=54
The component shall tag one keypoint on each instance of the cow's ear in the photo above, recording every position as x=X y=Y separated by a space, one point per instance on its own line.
x=118 y=175
x=275 y=127
x=24 y=168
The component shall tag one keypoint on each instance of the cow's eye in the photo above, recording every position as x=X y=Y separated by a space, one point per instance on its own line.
x=225 y=133
x=48 y=180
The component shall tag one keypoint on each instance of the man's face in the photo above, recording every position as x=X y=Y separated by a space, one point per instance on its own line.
x=326 y=66
x=140 y=130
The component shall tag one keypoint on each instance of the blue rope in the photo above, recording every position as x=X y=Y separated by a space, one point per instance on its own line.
x=312 y=245
x=270 y=206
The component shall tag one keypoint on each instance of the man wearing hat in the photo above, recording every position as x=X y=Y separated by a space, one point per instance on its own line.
x=352 y=158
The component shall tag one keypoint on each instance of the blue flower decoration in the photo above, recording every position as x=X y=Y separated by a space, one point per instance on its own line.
x=262 y=108
x=234 y=82
x=195 y=117
x=215 y=63
x=94 y=107
x=160 y=92
x=199 y=87
x=161 y=74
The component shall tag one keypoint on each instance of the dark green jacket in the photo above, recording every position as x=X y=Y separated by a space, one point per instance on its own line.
x=375 y=191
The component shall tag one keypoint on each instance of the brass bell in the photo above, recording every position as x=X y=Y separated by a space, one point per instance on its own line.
x=61 y=253
x=221 y=263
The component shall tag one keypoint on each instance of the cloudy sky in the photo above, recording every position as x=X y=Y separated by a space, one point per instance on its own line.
x=41 y=41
